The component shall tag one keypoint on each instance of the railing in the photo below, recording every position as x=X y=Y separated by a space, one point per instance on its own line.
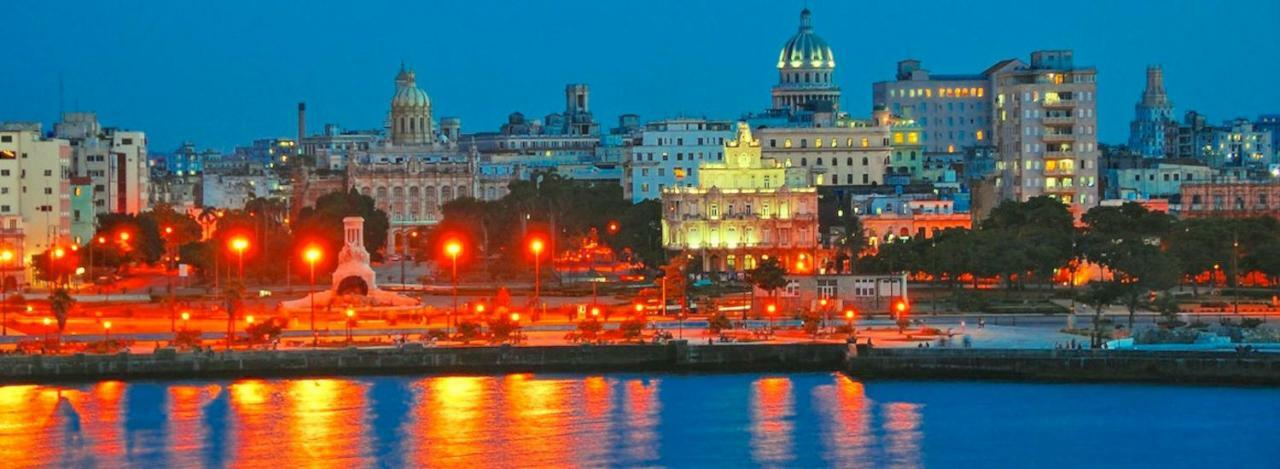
x=1058 y=120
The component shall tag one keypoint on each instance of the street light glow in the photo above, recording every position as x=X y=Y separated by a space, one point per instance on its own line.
x=124 y=236
x=351 y=313
x=312 y=254
x=772 y=308
x=239 y=244
x=536 y=246
x=515 y=317
x=848 y=314
x=453 y=248
x=186 y=316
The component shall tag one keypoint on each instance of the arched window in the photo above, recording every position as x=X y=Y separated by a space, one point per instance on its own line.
x=804 y=162
x=864 y=161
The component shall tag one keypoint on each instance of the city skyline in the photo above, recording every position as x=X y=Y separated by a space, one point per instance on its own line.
x=224 y=80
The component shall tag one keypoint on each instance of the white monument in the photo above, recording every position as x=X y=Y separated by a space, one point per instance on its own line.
x=354 y=282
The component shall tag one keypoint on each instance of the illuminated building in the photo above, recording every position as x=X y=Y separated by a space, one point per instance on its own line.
x=852 y=155
x=886 y=219
x=1046 y=131
x=954 y=111
x=115 y=159
x=1152 y=116
x=416 y=170
x=1157 y=181
x=669 y=154
x=1237 y=144
x=35 y=200
x=740 y=211
x=805 y=69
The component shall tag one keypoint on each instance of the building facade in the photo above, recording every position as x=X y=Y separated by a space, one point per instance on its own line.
x=855 y=154
x=1230 y=199
x=669 y=154
x=1046 y=131
x=115 y=159
x=954 y=111
x=35 y=196
x=742 y=211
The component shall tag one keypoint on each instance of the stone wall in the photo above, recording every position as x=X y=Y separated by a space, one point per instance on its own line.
x=677 y=356
x=1067 y=365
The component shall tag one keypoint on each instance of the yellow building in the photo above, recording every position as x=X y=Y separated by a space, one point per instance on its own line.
x=742 y=211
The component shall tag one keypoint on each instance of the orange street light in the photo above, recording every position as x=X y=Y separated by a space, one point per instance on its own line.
x=168 y=230
x=480 y=308
x=351 y=317
x=106 y=327
x=453 y=248
x=249 y=319
x=639 y=308
x=771 y=308
x=5 y=257
x=536 y=245
x=102 y=240
x=59 y=253
x=312 y=255
x=124 y=236
x=515 y=317
x=47 y=323
x=239 y=244
x=613 y=227
x=595 y=311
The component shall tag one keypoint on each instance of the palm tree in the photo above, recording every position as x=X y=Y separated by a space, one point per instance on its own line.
x=232 y=295
x=61 y=302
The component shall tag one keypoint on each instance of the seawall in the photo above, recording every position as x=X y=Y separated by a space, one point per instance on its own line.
x=414 y=359
x=1067 y=365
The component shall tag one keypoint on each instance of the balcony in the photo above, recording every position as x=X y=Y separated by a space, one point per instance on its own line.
x=1058 y=103
x=1060 y=171
x=1059 y=137
x=1058 y=120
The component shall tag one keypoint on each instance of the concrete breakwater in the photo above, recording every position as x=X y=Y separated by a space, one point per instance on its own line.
x=677 y=356
x=1067 y=365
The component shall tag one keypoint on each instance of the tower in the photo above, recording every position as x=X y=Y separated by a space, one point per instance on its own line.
x=1152 y=115
x=410 y=122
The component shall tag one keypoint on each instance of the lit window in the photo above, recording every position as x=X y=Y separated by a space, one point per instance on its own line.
x=978 y=135
x=865 y=143
x=786 y=143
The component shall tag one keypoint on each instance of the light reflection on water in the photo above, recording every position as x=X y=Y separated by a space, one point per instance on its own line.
x=558 y=420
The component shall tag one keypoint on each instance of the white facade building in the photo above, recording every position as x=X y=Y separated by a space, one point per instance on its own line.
x=669 y=154
x=115 y=159
x=35 y=199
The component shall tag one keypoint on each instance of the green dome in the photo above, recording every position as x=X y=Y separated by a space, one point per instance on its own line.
x=407 y=92
x=806 y=49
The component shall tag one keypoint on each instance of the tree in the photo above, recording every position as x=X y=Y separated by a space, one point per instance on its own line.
x=718 y=322
x=1127 y=240
x=768 y=276
x=677 y=281
x=502 y=328
x=1098 y=296
x=1035 y=236
x=632 y=328
x=324 y=222
x=1198 y=244
x=60 y=302
x=232 y=298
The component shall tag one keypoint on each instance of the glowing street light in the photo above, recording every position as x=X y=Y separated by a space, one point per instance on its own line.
x=312 y=255
x=453 y=248
x=47 y=327
x=848 y=317
x=124 y=236
x=186 y=316
x=771 y=309
x=239 y=244
x=613 y=227
x=536 y=245
x=351 y=317
x=6 y=256
x=106 y=327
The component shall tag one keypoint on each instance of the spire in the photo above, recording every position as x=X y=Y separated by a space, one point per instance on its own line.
x=805 y=24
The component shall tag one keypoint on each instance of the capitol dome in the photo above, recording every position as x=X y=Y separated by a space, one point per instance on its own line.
x=407 y=91
x=806 y=50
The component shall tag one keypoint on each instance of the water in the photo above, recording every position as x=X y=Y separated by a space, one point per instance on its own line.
x=793 y=420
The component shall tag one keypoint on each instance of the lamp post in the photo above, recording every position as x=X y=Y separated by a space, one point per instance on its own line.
x=453 y=248
x=106 y=327
x=848 y=317
x=515 y=320
x=6 y=256
x=771 y=309
x=239 y=244
x=536 y=246
x=168 y=252
x=312 y=255
x=248 y=326
x=351 y=319
x=47 y=327
x=185 y=317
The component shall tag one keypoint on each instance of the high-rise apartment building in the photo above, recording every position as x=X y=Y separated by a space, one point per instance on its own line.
x=669 y=154
x=1046 y=131
x=954 y=111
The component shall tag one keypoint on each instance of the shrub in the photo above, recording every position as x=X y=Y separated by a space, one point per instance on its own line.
x=633 y=328
x=468 y=331
x=718 y=323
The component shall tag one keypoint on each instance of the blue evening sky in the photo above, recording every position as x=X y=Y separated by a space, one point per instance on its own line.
x=221 y=73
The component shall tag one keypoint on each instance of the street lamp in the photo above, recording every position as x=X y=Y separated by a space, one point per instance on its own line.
x=248 y=326
x=351 y=317
x=536 y=246
x=185 y=317
x=239 y=244
x=771 y=309
x=453 y=248
x=848 y=317
x=515 y=320
x=106 y=327
x=47 y=322
x=6 y=256
x=312 y=255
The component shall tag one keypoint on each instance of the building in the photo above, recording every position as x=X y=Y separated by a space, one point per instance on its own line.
x=1195 y=137
x=115 y=159
x=187 y=160
x=1237 y=144
x=1152 y=116
x=854 y=154
x=742 y=211
x=331 y=148
x=1156 y=181
x=574 y=134
x=669 y=154
x=1233 y=199
x=954 y=111
x=865 y=294
x=806 y=69
x=413 y=172
x=1046 y=131
x=35 y=195
x=1269 y=123
x=886 y=219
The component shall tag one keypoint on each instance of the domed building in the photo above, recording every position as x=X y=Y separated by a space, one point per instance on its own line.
x=805 y=69
x=410 y=112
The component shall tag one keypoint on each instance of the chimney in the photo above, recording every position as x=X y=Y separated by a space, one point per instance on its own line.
x=302 y=124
